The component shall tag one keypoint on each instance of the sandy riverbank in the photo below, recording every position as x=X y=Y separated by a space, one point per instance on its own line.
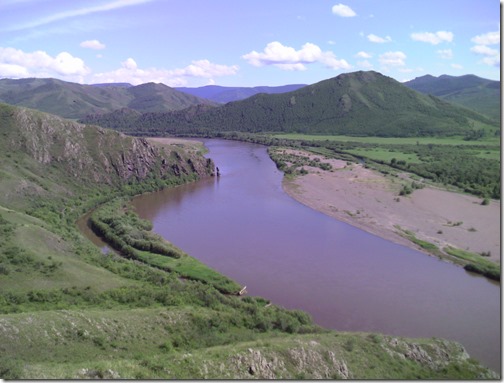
x=369 y=200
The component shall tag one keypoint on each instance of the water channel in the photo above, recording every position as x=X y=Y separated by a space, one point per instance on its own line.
x=243 y=225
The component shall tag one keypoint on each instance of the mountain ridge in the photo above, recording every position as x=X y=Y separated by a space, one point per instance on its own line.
x=473 y=92
x=358 y=103
x=72 y=100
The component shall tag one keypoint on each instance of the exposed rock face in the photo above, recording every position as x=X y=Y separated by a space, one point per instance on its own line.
x=96 y=154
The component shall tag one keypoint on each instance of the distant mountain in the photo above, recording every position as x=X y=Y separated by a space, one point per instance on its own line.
x=360 y=104
x=224 y=94
x=71 y=100
x=471 y=91
x=112 y=84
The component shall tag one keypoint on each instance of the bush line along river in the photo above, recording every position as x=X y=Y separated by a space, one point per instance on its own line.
x=243 y=225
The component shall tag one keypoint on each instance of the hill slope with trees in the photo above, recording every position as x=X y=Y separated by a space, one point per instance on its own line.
x=358 y=104
x=470 y=91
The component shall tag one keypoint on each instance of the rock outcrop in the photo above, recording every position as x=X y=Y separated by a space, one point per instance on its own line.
x=99 y=155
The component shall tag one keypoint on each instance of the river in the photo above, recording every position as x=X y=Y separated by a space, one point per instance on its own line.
x=245 y=226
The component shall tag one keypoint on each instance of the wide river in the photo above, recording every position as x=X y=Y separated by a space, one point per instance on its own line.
x=243 y=225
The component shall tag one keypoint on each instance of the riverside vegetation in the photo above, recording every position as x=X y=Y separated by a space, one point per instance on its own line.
x=151 y=311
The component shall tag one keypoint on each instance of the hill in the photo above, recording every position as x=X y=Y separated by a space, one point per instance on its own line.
x=71 y=100
x=358 y=104
x=225 y=94
x=470 y=91
x=69 y=311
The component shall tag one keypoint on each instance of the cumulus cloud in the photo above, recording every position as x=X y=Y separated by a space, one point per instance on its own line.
x=16 y=63
x=445 y=53
x=92 y=44
x=130 y=72
x=457 y=66
x=484 y=50
x=288 y=58
x=392 y=59
x=343 y=10
x=491 y=56
x=490 y=38
x=377 y=39
x=433 y=38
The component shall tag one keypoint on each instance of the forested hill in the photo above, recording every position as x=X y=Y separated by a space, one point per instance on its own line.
x=359 y=103
x=473 y=92
x=71 y=100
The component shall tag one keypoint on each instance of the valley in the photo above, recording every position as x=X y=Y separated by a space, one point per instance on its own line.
x=362 y=148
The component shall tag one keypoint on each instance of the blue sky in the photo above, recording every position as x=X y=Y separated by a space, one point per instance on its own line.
x=246 y=42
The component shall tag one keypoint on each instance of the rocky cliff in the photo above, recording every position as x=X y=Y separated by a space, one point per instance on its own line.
x=49 y=149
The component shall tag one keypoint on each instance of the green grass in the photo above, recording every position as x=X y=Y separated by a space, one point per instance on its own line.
x=189 y=267
x=384 y=155
x=119 y=226
x=475 y=262
x=151 y=343
x=456 y=140
x=427 y=246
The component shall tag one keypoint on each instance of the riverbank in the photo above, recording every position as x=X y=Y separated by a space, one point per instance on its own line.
x=370 y=201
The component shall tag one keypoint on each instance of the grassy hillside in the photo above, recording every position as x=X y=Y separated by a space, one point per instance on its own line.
x=358 y=104
x=472 y=92
x=71 y=100
x=67 y=310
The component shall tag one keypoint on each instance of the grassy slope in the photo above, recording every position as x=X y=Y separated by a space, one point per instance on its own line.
x=147 y=343
x=73 y=100
x=472 y=92
x=68 y=311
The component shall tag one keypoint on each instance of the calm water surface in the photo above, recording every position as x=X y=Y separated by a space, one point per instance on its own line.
x=245 y=226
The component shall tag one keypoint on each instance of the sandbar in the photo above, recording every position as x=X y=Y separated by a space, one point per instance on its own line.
x=370 y=201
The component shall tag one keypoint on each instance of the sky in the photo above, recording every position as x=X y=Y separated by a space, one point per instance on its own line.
x=246 y=42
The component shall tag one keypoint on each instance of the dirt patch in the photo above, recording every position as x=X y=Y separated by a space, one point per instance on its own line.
x=370 y=201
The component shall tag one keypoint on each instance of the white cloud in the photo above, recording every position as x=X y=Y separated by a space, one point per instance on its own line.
x=16 y=63
x=92 y=44
x=392 y=59
x=130 y=72
x=490 y=38
x=445 y=53
x=457 y=66
x=491 y=56
x=13 y=71
x=377 y=39
x=363 y=55
x=491 y=60
x=433 y=38
x=287 y=58
x=484 y=50
x=343 y=10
